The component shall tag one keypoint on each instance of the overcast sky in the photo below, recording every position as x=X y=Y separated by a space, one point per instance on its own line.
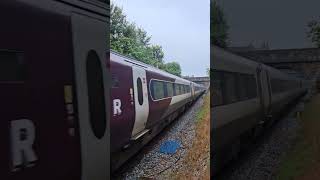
x=181 y=27
x=281 y=22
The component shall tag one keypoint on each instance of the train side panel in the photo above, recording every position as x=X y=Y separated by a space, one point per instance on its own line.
x=122 y=105
x=157 y=107
x=39 y=130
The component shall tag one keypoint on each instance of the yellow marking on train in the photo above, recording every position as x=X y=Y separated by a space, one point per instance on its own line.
x=68 y=94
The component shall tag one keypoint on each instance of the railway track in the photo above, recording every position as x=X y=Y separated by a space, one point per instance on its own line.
x=149 y=162
x=261 y=159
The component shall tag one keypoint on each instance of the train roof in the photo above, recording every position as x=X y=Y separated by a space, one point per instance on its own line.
x=229 y=61
x=117 y=57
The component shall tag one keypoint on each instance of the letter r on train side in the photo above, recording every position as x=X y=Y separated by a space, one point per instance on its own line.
x=116 y=107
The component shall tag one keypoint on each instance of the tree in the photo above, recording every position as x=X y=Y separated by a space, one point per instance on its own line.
x=208 y=71
x=218 y=26
x=128 y=39
x=173 y=68
x=314 y=32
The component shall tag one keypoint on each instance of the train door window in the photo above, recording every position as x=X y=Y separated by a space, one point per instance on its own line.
x=216 y=88
x=230 y=95
x=170 y=89
x=96 y=94
x=140 y=93
x=157 y=89
x=183 y=89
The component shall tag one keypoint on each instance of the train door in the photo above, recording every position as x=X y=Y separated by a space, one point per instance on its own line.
x=265 y=91
x=92 y=94
x=269 y=91
x=140 y=89
x=53 y=119
x=38 y=135
x=122 y=106
x=192 y=91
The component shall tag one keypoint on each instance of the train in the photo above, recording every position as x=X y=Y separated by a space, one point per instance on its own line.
x=144 y=100
x=246 y=98
x=54 y=89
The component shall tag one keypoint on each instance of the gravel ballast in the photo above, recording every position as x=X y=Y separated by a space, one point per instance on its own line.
x=150 y=163
x=262 y=160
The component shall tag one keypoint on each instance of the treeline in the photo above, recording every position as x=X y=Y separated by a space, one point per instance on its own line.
x=130 y=40
x=218 y=26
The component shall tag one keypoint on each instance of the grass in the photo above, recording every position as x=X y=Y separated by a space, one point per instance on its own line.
x=200 y=150
x=303 y=160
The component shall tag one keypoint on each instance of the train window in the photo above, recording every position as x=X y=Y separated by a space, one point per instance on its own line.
x=96 y=94
x=174 y=89
x=242 y=86
x=230 y=87
x=177 y=89
x=170 y=89
x=115 y=81
x=140 y=93
x=216 y=88
x=252 y=87
x=157 y=89
x=165 y=90
x=230 y=94
x=12 y=66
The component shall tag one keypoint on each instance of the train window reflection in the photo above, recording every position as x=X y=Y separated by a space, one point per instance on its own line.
x=177 y=89
x=252 y=87
x=216 y=88
x=243 y=82
x=170 y=89
x=231 y=87
x=157 y=89
x=162 y=89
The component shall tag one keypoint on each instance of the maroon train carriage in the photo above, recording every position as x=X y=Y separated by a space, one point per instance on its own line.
x=51 y=67
x=144 y=100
